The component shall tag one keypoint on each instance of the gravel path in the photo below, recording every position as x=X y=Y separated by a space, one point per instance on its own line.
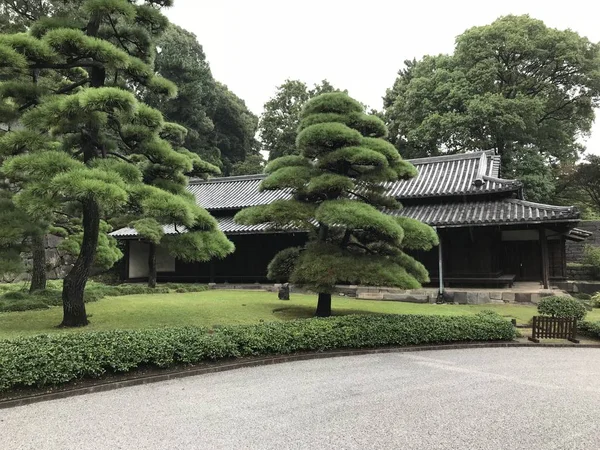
x=504 y=398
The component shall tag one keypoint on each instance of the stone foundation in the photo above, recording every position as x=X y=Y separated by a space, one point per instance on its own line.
x=579 y=287
x=425 y=295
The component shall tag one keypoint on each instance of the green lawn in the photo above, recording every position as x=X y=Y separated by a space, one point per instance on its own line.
x=220 y=307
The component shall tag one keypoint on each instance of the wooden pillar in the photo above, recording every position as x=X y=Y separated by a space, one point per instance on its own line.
x=211 y=270
x=545 y=258
x=440 y=265
x=125 y=267
x=563 y=252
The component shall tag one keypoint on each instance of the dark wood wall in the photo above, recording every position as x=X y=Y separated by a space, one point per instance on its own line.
x=481 y=251
x=248 y=264
x=466 y=251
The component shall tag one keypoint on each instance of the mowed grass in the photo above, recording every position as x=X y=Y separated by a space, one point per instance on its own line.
x=221 y=307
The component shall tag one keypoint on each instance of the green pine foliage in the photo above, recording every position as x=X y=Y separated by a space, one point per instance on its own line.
x=81 y=147
x=337 y=194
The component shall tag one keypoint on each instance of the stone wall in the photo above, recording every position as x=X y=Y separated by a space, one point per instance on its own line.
x=575 y=249
x=58 y=263
x=580 y=273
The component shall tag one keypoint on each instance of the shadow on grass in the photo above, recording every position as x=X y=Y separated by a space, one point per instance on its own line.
x=306 y=312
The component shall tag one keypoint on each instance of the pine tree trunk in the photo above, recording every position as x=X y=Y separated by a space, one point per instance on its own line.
x=38 y=256
x=323 y=305
x=74 y=314
x=152 y=265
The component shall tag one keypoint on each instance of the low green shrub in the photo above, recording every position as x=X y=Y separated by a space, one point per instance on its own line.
x=53 y=359
x=26 y=304
x=591 y=329
x=14 y=297
x=557 y=306
x=595 y=300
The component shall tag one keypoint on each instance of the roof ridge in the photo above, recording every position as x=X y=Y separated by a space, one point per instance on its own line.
x=536 y=204
x=451 y=157
x=502 y=180
x=258 y=176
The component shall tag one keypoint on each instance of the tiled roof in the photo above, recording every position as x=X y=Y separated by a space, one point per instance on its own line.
x=505 y=211
x=226 y=224
x=234 y=192
x=463 y=174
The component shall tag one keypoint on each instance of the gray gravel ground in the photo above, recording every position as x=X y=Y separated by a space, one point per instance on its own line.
x=504 y=398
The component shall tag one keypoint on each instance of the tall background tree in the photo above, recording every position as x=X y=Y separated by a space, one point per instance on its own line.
x=105 y=153
x=235 y=128
x=338 y=197
x=221 y=129
x=181 y=59
x=516 y=86
x=278 y=125
x=579 y=185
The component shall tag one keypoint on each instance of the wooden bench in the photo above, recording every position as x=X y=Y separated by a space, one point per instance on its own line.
x=500 y=280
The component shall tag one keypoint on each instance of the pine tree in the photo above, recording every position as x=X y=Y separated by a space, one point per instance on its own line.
x=107 y=154
x=338 y=195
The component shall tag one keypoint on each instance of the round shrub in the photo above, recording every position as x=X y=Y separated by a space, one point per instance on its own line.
x=282 y=265
x=557 y=306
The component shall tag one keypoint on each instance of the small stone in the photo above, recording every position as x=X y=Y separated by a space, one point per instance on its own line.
x=284 y=292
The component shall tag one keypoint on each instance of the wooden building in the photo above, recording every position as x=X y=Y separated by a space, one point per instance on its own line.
x=489 y=233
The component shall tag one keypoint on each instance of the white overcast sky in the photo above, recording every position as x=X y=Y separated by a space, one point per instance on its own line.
x=253 y=46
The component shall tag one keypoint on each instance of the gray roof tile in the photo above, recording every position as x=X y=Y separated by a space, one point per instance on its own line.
x=463 y=174
x=505 y=211
x=445 y=215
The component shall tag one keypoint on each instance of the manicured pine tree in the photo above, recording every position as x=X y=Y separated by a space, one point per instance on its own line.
x=111 y=157
x=339 y=196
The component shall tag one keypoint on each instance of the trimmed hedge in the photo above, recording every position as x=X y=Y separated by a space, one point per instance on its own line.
x=557 y=306
x=16 y=298
x=54 y=359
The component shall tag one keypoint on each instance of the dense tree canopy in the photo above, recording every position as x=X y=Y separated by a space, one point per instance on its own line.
x=337 y=196
x=581 y=186
x=83 y=146
x=221 y=129
x=181 y=59
x=515 y=86
x=235 y=128
x=279 y=121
